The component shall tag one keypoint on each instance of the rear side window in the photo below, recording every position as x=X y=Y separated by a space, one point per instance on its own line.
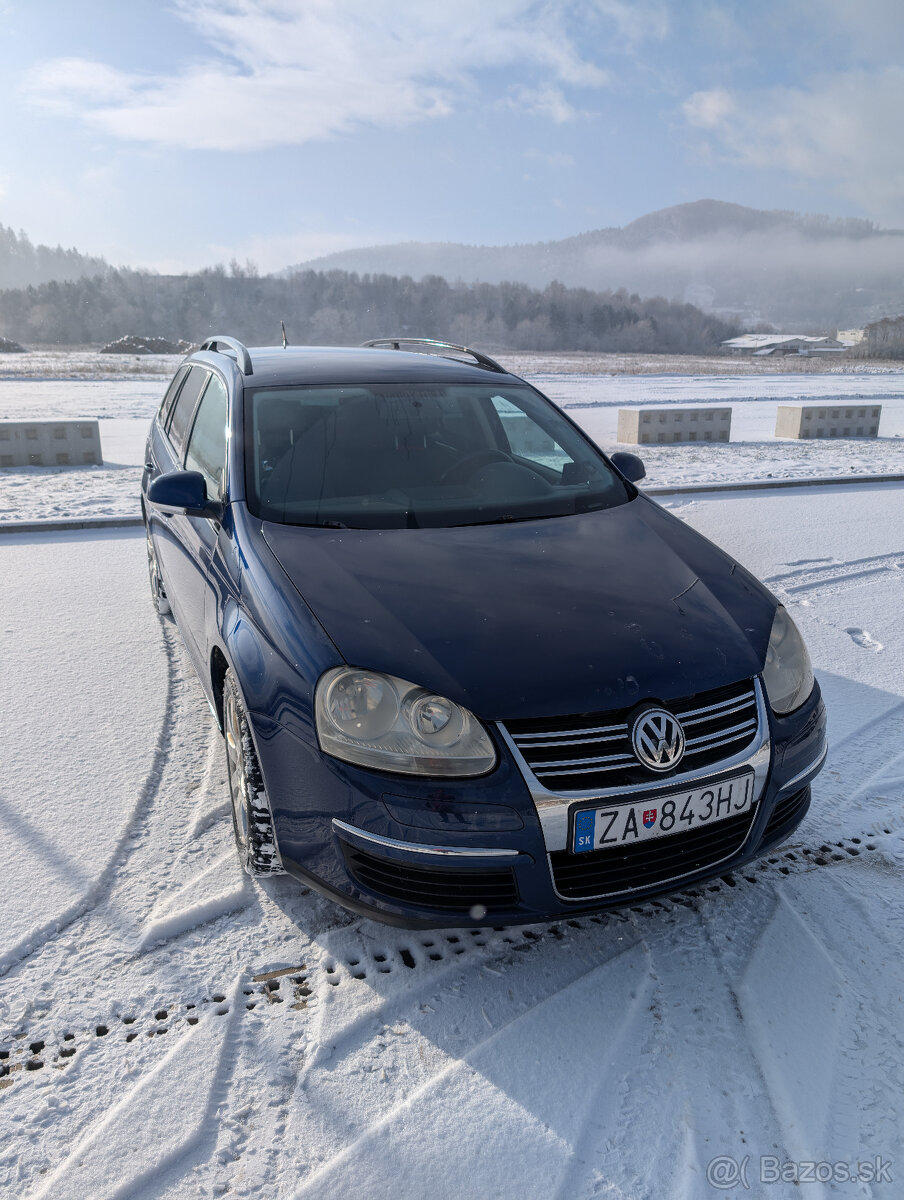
x=185 y=406
x=171 y=393
x=207 y=445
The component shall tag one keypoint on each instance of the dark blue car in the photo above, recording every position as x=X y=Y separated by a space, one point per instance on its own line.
x=466 y=672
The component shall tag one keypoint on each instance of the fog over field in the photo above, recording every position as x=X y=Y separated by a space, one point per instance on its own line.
x=778 y=267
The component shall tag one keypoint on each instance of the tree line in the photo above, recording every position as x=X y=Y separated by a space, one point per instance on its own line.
x=343 y=308
x=22 y=263
x=882 y=339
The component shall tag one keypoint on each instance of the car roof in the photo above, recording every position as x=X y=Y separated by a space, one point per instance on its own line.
x=274 y=366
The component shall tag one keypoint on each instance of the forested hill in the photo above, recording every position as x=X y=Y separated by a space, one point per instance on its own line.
x=337 y=307
x=789 y=269
x=23 y=264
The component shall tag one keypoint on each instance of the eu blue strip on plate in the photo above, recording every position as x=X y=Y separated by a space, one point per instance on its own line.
x=584 y=828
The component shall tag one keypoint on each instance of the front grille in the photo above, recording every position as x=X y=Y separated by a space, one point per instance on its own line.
x=447 y=888
x=593 y=750
x=598 y=873
x=788 y=812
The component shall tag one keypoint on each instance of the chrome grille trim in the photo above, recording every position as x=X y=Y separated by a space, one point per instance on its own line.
x=706 y=714
x=553 y=807
x=617 y=760
x=686 y=715
x=590 y=735
x=721 y=736
x=552 y=745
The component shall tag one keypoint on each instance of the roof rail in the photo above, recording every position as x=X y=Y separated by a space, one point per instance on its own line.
x=243 y=358
x=396 y=343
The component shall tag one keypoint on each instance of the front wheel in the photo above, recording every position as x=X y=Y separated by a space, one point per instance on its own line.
x=252 y=819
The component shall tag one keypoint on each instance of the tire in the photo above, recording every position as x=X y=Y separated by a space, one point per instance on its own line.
x=158 y=591
x=252 y=818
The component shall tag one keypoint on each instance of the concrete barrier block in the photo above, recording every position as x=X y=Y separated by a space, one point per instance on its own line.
x=668 y=426
x=50 y=444
x=827 y=420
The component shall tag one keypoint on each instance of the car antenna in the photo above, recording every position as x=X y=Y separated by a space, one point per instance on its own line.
x=285 y=340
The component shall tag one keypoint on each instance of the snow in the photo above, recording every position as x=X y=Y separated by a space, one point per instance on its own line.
x=87 y=363
x=67 y=620
x=124 y=407
x=123 y=410
x=206 y=1035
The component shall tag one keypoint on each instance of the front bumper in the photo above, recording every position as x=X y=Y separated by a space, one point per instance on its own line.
x=451 y=853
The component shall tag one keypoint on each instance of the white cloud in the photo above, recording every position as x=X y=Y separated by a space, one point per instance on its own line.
x=66 y=83
x=637 y=21
x=842 y=128
x=546 y=102
x=283 y=72
x=709 y=110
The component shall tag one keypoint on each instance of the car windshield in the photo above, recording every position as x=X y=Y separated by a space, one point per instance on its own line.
x=387 y=456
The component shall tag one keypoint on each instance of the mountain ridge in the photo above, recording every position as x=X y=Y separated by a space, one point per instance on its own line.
x=754 y=265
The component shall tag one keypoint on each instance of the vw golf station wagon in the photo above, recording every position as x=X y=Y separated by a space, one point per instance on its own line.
x=466 y=672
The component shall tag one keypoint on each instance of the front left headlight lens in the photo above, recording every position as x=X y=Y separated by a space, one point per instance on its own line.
x=788 y=675
x=381 y=721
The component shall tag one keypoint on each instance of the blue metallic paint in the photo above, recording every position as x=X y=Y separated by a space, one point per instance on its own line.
x=573 y=614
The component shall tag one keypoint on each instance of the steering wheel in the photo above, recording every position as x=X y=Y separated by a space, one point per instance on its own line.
x=465 y=467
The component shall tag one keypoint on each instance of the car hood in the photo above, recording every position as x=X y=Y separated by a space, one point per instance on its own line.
x=573 y=614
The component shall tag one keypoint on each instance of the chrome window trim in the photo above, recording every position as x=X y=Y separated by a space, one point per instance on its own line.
x=554 y=808
x=420 y=848
x=801 y=775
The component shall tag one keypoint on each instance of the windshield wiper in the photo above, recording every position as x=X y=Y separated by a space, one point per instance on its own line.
x=509 y=519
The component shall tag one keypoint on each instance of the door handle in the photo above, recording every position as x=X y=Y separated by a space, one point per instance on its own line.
x=150 y=466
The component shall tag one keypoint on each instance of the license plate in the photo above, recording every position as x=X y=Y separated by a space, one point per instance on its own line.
x=661 y=816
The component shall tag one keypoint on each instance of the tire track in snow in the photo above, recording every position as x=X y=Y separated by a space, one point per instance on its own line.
x=692 y=1082
x=120 y=852
x=105 y=1162
x=852 y=775
x=530 y=1075
x=822 y=996
x=373 y=954
x=829 y=577
x=439 y=1014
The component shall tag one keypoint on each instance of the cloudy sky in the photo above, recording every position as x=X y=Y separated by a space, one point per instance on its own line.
x=179 y=133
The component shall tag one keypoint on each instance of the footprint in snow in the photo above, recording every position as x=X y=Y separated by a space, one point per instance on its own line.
x=864 y=639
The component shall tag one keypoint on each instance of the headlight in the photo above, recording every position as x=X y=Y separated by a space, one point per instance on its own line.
x=787 y=674
x=380 y=721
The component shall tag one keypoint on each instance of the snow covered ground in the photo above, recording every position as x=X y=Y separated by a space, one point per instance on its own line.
x=124 y=407
x=86 y=363
x=169 y=1029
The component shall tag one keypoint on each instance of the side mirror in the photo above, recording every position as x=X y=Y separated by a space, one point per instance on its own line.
x=183 y=492
x=630 y=465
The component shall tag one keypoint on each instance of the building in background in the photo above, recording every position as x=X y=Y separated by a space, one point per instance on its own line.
x=760 y=345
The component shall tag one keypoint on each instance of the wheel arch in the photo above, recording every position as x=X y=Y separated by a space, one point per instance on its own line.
x=242 y=652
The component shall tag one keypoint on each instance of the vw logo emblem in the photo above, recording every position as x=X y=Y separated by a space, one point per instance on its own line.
x=658 y=739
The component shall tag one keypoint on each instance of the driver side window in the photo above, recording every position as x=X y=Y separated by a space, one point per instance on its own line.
x=207 y=444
